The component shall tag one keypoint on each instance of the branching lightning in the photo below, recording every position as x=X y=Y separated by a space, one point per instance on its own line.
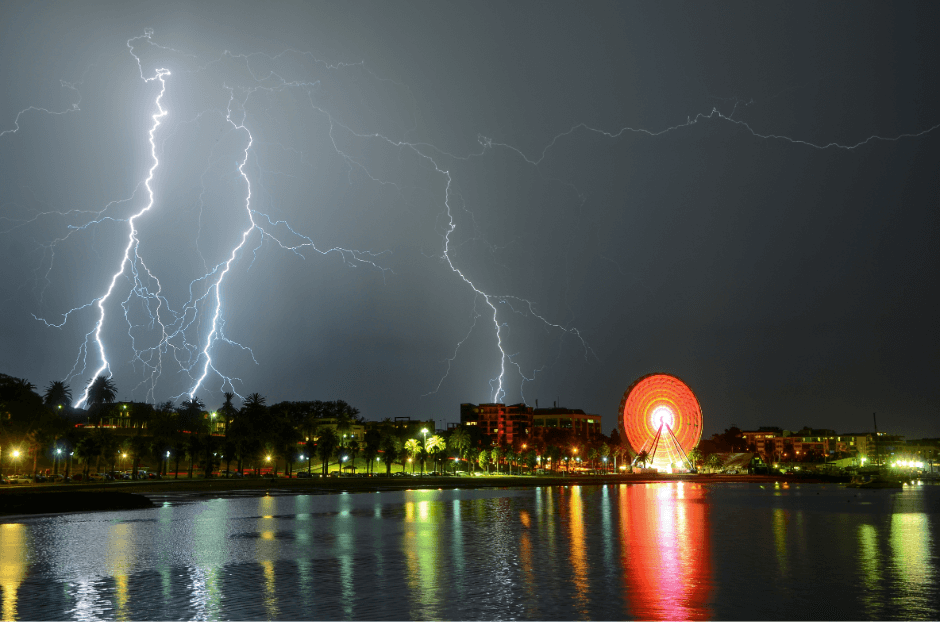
x=189 y=335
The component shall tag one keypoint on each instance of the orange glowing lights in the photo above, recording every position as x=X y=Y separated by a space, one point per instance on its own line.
x=660 y=399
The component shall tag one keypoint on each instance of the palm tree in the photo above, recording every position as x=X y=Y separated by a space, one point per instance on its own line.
x=101 y=390
x=191 y=414
x=435 y=444
x=327 y=441
x=460 y=441
x=413 y=446
x=353 y=447
x=228 y=410
x=58 y=393
x=605 y=453
x=642 y=458
x=695 y=456
x=373 y=445
x=496 y=453
x=390 y=450
x=482 y=459
x=594 y=454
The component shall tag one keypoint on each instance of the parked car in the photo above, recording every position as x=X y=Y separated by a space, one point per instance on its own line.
x=303 y=475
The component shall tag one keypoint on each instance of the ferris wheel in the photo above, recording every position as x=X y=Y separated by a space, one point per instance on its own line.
x=662 y=417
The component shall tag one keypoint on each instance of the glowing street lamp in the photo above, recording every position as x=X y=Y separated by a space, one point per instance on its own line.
x=55 y=470
x=124 y=466
x=16 y=457
x=424 y=431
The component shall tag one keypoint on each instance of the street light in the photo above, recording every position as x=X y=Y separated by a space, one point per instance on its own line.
x=124 y=456
x=424 y=431
x=16 y=457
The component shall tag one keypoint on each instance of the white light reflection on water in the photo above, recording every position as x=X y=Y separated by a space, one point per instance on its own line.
x=911 y=546
x=869 y=564
x=343 y=530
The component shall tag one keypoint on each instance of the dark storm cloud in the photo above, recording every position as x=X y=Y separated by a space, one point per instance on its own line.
x=787 y=284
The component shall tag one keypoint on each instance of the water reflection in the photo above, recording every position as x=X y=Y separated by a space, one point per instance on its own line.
x=662 y=551
x=422 y=554
x=578 y=551
x=13 y=565
x=666 y=560
x=209 y=541
x=781 y=519
x=120 y=563
x=911 y=543
x=266 y=550
x=869 y=564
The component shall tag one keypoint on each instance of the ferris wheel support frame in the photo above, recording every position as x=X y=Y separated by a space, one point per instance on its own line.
x=654 y=446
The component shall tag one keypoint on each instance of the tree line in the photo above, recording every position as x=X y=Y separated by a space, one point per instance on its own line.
x=284 y=438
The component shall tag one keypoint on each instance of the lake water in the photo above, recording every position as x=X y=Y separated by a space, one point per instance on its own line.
x=661 y=551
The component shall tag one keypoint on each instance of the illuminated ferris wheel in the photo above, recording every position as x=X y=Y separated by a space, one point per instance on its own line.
x=662 y=417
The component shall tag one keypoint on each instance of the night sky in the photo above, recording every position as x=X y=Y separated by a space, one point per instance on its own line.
x=743 y=195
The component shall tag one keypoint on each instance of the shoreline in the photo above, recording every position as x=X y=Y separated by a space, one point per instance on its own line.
x=130 y=495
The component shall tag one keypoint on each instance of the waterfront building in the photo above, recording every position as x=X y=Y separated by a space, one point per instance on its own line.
x=406 y=427
x=584 y=424
x=502 y=423
x=779 y=445
x=351 y=429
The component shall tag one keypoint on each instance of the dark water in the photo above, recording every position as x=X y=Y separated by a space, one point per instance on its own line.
x=663 y=551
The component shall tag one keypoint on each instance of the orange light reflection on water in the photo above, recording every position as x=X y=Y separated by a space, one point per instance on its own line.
x=666 y=558
x=578 y=549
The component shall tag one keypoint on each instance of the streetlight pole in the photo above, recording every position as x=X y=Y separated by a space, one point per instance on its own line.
x=16 y=457
x=424 y=431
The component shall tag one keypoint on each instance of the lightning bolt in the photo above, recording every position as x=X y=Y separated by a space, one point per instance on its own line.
x=191 y=334
x=132 y=241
